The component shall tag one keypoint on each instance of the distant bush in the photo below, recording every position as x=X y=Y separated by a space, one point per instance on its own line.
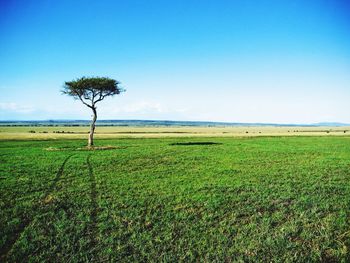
x=63 y=132
x=32 y=131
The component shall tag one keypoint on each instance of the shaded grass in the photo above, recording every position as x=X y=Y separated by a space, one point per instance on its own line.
x=246 y=199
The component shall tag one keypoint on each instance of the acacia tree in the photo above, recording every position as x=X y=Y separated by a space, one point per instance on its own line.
x=90 y=91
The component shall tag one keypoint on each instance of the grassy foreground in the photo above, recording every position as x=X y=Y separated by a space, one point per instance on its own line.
x=261 y=199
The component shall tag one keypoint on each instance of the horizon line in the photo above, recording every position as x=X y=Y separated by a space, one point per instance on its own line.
x=323 y=123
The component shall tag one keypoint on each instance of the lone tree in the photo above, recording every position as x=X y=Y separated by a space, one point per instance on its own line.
x=90 y=91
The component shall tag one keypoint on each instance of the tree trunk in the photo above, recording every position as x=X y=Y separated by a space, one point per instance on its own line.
x=92 y=128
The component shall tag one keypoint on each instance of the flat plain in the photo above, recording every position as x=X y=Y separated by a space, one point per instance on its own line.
x=109 y=132
x=175 y=198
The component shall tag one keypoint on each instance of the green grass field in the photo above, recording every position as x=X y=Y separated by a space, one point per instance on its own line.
x=259 y=199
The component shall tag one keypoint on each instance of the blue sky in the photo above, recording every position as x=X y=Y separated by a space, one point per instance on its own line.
x=240 y=61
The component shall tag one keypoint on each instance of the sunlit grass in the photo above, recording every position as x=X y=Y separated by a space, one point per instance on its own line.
x=262 y=199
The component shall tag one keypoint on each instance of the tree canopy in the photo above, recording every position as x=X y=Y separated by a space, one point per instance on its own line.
x=91 y=90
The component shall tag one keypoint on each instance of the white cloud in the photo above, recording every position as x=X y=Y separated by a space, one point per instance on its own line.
x=109 y=110
x=14 y=107
x=140 y=107
x=145 y=109
x=144 y=106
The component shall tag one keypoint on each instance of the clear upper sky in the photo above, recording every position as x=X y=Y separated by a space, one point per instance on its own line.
x=240 y=61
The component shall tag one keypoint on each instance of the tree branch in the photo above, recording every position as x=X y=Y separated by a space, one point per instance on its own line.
x=90 y=106
x=103 y=96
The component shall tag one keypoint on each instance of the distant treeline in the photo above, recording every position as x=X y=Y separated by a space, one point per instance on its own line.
x=152 y=123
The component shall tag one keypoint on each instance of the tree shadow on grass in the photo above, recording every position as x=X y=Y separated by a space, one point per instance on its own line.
x=195 y=143
x=94 y=205
x=26 y=220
